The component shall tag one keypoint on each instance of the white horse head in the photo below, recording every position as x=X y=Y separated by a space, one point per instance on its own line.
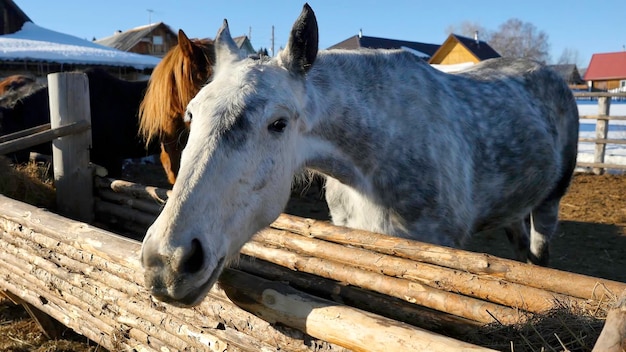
x=237 y=168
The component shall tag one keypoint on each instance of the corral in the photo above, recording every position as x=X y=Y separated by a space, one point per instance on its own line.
x=91 y=281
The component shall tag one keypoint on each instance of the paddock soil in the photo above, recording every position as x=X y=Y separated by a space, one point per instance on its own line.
x=591 y=240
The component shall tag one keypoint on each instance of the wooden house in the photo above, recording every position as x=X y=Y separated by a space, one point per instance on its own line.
x=423 y=50
x=571 y=75
x=12 y=17
x=457 y=49
x=28 y=49
x=607 y=71
x=244 y=45
x=155 y=39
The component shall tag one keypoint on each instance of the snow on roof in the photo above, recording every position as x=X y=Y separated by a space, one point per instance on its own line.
x=35 y=43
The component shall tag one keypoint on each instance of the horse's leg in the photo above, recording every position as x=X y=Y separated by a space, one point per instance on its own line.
x=544 y=221
x=518 y=236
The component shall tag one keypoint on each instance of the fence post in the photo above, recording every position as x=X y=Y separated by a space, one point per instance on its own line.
x=73 y=179
x=604 y=106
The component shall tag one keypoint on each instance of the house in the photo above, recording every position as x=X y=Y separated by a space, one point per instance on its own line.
x=571 y=75
x=457 y=49
x=244 y=45
x=607 y=71
x=12 y=18
x=422 y=50
x=155 y=39
x=28 y=49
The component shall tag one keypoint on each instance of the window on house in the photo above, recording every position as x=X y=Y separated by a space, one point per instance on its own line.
x=622 y=83
x=157 y=44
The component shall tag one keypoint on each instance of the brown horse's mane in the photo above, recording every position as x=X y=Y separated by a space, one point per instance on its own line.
x=173 y=83
x=14 y=82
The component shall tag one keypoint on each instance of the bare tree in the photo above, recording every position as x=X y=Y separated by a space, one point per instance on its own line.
x=468 y=29
x=515 y=38
x=569 y=56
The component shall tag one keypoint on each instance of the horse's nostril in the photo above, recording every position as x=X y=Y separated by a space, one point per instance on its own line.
x=195 y=259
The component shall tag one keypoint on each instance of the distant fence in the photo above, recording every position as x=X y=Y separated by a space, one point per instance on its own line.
x=599 y=165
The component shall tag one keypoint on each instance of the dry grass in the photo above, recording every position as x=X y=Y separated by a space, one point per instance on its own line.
x=564 y=328
x=31 y=183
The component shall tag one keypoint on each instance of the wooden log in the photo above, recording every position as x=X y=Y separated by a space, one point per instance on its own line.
x=136 y=190
x=477 y=263
x=50 y=327
x=493 y=290
x=24 y=133
x=345 y=326
x=147 y=206
x=41 y=137
x=613 y=335
x=602 y=165
x=103 y=254
x=386 y=306
x=466 y=307
x=604 y=106
x=124 y=212
x=69 y=102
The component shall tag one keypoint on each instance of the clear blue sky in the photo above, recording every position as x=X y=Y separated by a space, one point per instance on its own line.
x=586 y=26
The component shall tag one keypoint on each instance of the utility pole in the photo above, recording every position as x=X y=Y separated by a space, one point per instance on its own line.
x=272 y=41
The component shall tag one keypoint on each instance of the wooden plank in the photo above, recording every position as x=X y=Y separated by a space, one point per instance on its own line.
x=43 y=137
x=597 y=94
x=604 y=106
x=602 y=165
x=603 y=117
x=23 y=133
x=603 y=141
x=69 y=102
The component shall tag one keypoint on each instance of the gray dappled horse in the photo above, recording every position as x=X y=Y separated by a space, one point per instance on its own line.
x=406 y=150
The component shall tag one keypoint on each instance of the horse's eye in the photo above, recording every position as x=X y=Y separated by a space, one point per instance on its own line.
x=188 y=116
x=278 y=126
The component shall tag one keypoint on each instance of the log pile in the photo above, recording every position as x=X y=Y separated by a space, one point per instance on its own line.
x=300 y=285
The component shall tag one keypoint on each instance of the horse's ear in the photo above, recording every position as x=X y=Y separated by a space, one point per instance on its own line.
x=184 y=43
x=302 y=46
x=225 y=47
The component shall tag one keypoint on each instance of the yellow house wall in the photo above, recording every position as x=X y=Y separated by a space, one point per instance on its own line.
x=458 y=55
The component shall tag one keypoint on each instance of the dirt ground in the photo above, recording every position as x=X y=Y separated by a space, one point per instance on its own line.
x=591 y=240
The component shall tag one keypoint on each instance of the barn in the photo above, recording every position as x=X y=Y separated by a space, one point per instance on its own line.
x=607 y=71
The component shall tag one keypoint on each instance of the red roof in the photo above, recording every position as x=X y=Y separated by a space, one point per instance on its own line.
x=606 y=66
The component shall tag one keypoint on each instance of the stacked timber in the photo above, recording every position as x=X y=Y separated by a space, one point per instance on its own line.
x=300 y=285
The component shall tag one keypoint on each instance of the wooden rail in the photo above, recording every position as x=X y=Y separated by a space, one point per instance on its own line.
x=599 y=165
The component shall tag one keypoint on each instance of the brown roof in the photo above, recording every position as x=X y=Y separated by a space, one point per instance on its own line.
x=569 y=72
x=606 y=66
x=127 y=40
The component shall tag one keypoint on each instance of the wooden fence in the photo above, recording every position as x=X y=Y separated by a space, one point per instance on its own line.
x=602 y=129
x=300 y=285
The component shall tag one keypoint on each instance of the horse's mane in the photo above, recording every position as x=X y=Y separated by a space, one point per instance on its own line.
x=14 y=82
x=173 y=83
x=14 y=96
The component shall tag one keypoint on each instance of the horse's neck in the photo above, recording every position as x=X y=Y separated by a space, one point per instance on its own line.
x=350 y=103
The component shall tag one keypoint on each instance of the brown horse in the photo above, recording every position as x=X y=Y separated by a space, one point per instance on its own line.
x=14 y=82
x=174 y=82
